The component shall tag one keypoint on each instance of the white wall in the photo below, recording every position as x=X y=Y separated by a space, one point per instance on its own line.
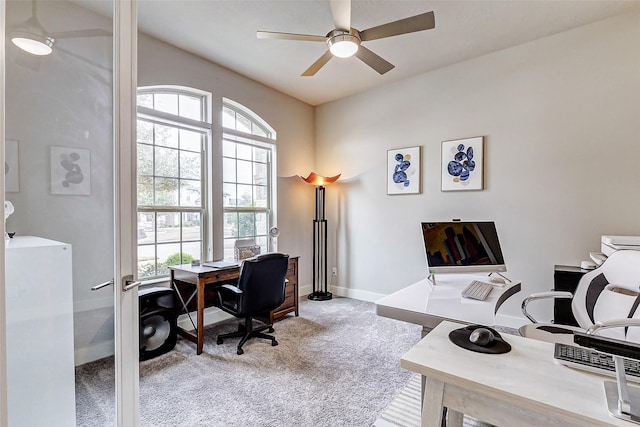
x=561 y=121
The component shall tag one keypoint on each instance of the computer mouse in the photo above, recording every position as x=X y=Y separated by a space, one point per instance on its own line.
x=482 y=337
x=497 y=280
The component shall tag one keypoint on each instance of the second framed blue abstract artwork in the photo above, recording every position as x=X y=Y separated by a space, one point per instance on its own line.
x=462 y=164
x=403 y=170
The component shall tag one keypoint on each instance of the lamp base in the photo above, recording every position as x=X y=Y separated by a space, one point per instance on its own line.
x=320 y=296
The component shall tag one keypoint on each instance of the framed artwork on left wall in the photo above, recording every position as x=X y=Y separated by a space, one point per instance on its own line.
x=403 y=170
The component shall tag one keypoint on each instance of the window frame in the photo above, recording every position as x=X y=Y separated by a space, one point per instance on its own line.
x=181 y=123
x=254 y=140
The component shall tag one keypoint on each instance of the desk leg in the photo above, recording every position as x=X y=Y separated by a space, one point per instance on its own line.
x=454 y=418
x=200 y=331
x=432 y=408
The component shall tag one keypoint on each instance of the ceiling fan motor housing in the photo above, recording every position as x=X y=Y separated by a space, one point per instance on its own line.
x=343 y=44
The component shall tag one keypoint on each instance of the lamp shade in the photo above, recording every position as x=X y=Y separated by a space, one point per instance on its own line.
x=319 y=180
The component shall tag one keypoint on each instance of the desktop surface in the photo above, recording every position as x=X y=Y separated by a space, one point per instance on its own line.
x=426 y=304
x=527 y=379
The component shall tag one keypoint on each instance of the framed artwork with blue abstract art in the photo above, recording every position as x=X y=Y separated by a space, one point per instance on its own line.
x=462 y=164
x=403 y=170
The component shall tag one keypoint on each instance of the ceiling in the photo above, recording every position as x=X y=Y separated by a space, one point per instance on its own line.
x=224 y=31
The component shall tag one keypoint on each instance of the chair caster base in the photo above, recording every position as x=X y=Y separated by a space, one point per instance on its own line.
x=240 y=351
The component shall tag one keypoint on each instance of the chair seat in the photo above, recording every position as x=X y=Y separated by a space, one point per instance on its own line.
x=550 y=332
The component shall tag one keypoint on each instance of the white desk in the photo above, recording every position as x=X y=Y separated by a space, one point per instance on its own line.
x=524 y=387
x=425 y=304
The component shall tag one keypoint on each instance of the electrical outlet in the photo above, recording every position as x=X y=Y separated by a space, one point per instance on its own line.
x=334 y=271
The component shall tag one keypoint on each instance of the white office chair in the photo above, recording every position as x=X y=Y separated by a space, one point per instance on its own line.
x=605 y=299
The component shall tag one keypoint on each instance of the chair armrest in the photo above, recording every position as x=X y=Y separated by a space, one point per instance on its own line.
x=612 y=323
x=230 y=288
x=543 y=295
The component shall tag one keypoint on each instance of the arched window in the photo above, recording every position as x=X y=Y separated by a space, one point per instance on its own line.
x=249 y=185
x=173 y=132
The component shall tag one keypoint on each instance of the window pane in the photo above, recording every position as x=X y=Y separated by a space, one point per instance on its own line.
x=145 y=100
x=261 y=223
x=228 y=170
x=166 y=136
x=168 y=254
x=166 y=193
x=145 y=159
x=166 y=162
x=245 y=196
x=146 y=261
x=144 y=132
x=229 y=195
x=244 y=172
x=260 y=172
x=167 y=102
x=190 y=193
x=228 y=148
x=262 y=242
x=257 y=130
x=228 y=118
x=244 y=152
x=243 y=124
x=261 y=196
x=190 y=140
x=191 y=226
x=146 y=224
x=230 y=224
x=260 y=154
x=229 y=245
x=246 y=226
x=145 y=190
x=168 y=226
x=190 y=107
x=190 y=164
x=191 y=251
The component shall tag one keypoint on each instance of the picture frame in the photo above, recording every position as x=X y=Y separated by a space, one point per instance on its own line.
x=11 y=166
x=463 y=164
x=403 y=170
x=70 y=171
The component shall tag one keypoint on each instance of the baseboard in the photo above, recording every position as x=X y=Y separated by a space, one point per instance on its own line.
x=94 y=352
x=356 y=294
x=211 y=315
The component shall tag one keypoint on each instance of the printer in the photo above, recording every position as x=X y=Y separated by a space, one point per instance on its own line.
x=610 y=244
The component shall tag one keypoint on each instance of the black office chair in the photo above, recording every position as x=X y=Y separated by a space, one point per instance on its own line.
x=260 y=289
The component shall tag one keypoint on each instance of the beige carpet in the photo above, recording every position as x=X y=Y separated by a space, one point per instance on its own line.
x=404 y=409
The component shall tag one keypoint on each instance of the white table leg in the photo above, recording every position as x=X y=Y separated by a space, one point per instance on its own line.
x=432 y=403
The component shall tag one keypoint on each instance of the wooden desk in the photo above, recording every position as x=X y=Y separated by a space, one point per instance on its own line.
x=524 y=387
x=425 y=304
x=191 y=282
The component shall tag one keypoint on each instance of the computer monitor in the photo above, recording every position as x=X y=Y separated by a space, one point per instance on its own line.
x=462 y=247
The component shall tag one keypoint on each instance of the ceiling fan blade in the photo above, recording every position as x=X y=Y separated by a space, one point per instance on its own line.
x=373 y=60
x=95 y=32
x=290 y=36
x=425 y=21
x=318 y=64
x=341 y=12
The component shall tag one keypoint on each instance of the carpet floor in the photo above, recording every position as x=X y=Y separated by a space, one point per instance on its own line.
x=337 y=364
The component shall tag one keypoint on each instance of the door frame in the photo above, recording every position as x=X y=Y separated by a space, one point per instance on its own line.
x=124 y=131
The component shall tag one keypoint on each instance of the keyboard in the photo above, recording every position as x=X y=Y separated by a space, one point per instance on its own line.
x=594 y=361
x=477 y=290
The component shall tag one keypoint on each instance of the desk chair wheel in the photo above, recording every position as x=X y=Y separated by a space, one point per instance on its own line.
x=274 y=343
x=240 y=351
x=219 y=341
x=271 y=330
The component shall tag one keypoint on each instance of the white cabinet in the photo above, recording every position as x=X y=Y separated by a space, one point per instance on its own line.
x=39 y=298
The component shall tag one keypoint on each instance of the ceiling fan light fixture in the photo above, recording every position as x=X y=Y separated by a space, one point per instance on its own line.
x=343 y=44
x=32 y=43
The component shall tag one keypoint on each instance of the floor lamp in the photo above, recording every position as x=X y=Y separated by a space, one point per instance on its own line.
x=320 y=290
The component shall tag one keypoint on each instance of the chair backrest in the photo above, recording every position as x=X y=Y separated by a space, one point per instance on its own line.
x=611 y=291
x=262 y=282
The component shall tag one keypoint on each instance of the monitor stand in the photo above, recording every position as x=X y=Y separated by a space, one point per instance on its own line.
x=622 y=400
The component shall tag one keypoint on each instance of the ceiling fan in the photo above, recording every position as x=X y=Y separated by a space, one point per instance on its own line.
x=31 y=37
x=344 y=41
